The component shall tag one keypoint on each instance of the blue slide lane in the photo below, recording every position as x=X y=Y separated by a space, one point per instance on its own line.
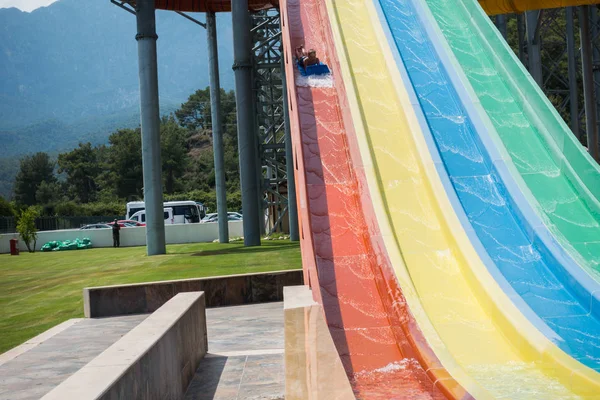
x=538 y=275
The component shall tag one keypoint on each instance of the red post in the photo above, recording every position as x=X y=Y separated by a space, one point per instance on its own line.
x=14 y=247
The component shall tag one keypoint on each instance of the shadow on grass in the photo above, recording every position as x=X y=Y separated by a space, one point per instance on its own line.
x=246 y=250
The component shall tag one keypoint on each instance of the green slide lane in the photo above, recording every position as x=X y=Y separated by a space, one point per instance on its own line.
x=556 y=169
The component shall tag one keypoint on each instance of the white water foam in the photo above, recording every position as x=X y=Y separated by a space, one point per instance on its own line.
x=316 y=81
x=405 y=363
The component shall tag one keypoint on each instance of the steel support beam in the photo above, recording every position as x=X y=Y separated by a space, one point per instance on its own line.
x=217 y=126
x=588 y=81
x=289 y=163
x=501 y=24
x=572 y=71
x=122 y=5
x=150 y=121
x=521 y=38
x=242 y=53
x=532 y=21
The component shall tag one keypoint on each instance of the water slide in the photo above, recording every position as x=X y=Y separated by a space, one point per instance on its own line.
x=377 y=338
x=554 y=168
x=545 y=283
x=413 y=305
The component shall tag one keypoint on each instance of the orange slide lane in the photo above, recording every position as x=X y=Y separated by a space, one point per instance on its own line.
x=381 y=347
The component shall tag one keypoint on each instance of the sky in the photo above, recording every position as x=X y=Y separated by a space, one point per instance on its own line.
x=25 y=5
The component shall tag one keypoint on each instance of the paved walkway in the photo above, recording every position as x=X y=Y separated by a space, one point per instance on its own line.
x=245 y=359
x=48 y=361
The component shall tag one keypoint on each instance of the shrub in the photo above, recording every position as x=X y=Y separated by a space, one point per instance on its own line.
x=6 y=209
x=26 y=227
x=104 y=208
x=67 y=209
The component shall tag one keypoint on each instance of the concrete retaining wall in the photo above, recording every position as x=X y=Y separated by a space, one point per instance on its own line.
x=313 y=368
x=107 y=301
x=179 y=233
x=155 y=360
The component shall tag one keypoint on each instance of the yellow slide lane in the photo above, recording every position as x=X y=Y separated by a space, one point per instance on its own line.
x=480 y=337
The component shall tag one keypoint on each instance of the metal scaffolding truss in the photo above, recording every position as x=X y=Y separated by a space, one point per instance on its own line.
x=270 y=116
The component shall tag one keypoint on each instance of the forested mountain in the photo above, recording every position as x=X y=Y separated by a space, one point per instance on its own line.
x=69 y=73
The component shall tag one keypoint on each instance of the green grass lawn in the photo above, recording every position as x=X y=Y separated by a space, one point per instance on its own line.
x=38 y=291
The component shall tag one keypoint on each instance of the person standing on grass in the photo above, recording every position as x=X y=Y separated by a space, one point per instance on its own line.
x=116 y=239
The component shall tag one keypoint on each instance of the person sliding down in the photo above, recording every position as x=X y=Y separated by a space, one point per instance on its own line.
x=305 y=60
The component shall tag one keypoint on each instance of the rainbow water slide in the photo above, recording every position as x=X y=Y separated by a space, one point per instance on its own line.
x=414 y=299
x=552 y=165
x=517 y=248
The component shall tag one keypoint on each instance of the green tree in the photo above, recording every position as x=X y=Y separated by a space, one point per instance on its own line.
x=82 y=168
x=6 y=209
x=33 y=171
x=48 y=193
x=195 y=115
x=26 y=227
x=174 y=153
x=124 y=164
x=195 y=112
x=201 y=173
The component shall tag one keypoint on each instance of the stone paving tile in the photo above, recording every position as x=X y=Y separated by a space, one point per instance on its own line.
x=263 y=378
x=254 y=376
x=37 y=371
x=239 y=377
x=217 y=377
x=248 y=327
x=237 y=330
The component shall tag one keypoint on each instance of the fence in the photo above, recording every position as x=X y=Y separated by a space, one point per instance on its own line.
x=9 y=224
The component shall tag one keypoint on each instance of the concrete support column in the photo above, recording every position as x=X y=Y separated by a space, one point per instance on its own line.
x=150 y=120
x=591 y=125
x=289 y=161
x=242 y=53
x=534 y=46
x=572 y=72
x=217 y=126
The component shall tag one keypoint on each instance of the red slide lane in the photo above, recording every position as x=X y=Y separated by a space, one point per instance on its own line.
x=382 y=349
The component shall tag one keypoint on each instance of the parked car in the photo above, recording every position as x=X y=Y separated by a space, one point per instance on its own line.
x=168 y=216
x=122 y=224
x=213 y=217
x=184 y=212
x=96 y=226
x=208 y=217
x=130 y=222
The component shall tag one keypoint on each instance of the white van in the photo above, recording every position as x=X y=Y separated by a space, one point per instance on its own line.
x=140 y=216
x=184 y=212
